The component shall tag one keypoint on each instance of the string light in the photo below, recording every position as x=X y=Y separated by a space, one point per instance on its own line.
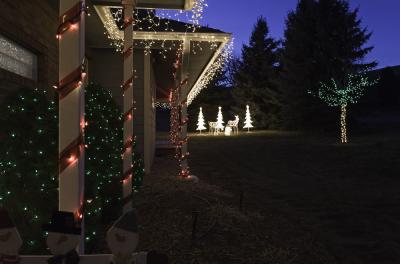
x=146 y=20
x=248 y=122
x=341 y=96
x=200 y=121
x=220 y=121
x=223 y=57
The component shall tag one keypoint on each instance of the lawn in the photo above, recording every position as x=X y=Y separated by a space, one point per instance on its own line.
x=306 y=199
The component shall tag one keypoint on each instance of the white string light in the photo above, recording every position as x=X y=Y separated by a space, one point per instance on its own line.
x=215 y=68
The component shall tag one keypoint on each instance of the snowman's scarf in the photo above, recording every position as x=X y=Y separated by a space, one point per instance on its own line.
x=71 y=257
x=7 y=259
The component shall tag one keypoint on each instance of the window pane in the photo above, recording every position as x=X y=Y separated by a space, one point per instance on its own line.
x=17 y=59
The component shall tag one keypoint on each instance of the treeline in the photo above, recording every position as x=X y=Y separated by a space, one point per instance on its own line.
x=323 y=39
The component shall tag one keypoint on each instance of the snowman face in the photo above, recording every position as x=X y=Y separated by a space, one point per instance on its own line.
x=61 y=244
x=10 y=241
x=122 y=242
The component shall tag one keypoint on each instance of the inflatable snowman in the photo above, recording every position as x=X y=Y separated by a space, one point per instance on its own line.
x=122 y=239
x=63 y=238
x=10 y=240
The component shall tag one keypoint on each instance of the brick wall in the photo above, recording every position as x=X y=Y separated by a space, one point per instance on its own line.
x=33 y=25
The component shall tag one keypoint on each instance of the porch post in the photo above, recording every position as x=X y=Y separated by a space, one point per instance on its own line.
x=71 y=36
x=184 y=75
x=127 y=86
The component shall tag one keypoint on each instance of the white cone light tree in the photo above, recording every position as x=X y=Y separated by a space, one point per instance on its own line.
x=220 y=121
x=341 y=96
x=200 y=121
x=247 y=121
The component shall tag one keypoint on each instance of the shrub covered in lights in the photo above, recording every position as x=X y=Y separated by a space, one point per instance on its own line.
x=29 y=164
x=103 y=188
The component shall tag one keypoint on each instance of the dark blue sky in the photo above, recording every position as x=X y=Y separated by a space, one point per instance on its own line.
x=382 y=17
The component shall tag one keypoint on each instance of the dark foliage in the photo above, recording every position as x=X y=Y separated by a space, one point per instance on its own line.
x=29 y=164
x=323 y=40
x=217 y=93
x=255 y=76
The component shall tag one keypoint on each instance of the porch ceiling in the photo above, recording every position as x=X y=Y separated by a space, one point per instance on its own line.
x=204 y=48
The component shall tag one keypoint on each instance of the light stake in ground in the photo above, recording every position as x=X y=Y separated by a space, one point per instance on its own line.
x=248 y=122
x=200 y=121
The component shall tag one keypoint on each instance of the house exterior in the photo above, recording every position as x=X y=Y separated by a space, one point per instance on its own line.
x=34 y=62
x=154 y=77
x=51 y=44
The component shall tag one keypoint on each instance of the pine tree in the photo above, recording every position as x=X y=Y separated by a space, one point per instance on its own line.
x=220 y=120
x=248 y=122
x=200 y=121
x=255 y=77
x=323 y=39
x=29 y=163
x=103 y=188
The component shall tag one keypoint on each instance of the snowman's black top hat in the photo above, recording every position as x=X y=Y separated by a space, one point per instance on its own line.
x=5 y=220
x=63 y=222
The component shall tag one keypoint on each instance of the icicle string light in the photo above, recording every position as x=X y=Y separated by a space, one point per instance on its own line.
x=147 y=20
x=214 y=69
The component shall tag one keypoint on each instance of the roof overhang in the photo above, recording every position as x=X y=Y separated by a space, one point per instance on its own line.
x=151 y=4
x=199 y=68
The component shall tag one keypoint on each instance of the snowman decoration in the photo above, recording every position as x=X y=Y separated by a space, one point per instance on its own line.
x=10 y=240
x=122 y=239
x=63 y=238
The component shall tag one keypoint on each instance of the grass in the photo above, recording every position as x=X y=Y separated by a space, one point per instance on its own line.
x=307 y=199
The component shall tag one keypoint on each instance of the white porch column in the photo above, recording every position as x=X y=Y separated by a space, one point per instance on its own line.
x=184 y=75
x=71 y=36
x=128 y=105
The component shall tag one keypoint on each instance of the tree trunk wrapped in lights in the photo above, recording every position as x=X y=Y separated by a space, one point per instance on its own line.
x=342 y=95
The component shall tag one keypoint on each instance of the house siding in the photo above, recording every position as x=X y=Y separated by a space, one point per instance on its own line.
x=36 y=34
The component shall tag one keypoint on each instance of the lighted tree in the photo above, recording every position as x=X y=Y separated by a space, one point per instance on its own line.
x=247 y=121
x=220 y=120
x=341 y=95
x=200 y=121
x=29 y=163
x=103 y=164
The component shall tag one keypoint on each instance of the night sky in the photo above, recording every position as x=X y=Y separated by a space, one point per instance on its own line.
x=382 y=17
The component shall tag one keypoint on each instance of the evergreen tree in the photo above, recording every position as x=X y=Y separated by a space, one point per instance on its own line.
x=389 y=89
x=323 y=39
x=255 y=77
x=29 y=163
x=103 y=188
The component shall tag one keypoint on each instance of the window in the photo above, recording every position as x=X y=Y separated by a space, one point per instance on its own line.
x=17 y=59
